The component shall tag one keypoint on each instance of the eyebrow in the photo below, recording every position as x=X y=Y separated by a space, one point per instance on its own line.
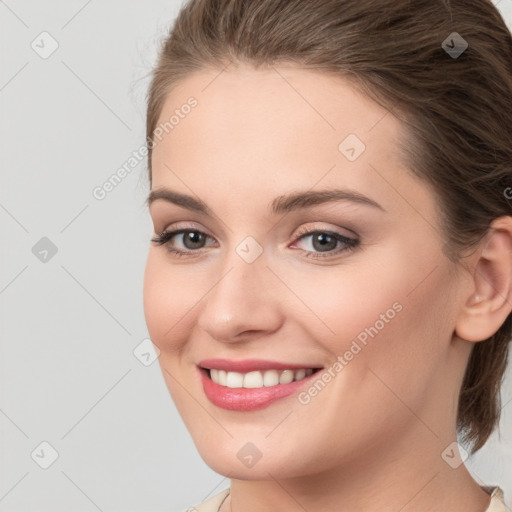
x=281 y=204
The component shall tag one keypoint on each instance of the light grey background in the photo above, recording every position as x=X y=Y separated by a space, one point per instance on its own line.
x=70 y=324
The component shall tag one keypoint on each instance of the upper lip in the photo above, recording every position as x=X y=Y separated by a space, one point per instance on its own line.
x=249 y=365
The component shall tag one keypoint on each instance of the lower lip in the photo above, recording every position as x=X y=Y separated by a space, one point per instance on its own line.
x=247 y=399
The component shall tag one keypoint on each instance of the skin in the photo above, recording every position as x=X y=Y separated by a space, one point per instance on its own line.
x=372 y=439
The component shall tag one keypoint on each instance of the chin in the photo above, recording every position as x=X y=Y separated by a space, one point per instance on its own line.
x=233 y=460
x=231 y=467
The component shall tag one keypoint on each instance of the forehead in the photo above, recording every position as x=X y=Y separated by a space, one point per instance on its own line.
x=270 y=130
x=279 y=105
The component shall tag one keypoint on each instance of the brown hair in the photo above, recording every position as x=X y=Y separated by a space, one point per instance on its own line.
x=457 y=108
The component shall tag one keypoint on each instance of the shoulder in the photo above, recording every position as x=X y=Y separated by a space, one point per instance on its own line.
x=211 y=504
x=497 y=503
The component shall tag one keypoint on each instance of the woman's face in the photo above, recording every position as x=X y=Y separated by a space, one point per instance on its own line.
x=307 y=245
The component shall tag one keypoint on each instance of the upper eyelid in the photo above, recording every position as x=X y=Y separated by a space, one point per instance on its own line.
x=299 y=232
x=186 y=227
x=302 y=230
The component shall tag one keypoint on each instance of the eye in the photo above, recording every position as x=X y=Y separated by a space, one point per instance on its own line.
x=191 y=239
x=325 y=243
x=322 y=243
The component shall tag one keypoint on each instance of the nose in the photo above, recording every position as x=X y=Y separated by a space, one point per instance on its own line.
x=240 y=305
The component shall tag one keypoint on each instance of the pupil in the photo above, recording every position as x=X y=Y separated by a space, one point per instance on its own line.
x=326 y=242
x=194 y=238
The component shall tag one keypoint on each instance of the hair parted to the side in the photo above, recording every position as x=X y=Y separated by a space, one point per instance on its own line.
x=457 y=111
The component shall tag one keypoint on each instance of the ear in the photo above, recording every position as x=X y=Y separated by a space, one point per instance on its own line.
x=490 y=300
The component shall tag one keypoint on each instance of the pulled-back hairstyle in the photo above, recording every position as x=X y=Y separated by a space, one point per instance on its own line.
x=457 y=110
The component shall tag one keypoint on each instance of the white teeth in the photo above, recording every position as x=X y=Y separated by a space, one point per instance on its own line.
x=257 y=379
x=286 y=377
x=270 y=378
x=222 y=378
x=300 y=374
x=234 y=380
x=253 y=380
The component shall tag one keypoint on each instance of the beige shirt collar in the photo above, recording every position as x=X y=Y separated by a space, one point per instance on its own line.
x=213 y=504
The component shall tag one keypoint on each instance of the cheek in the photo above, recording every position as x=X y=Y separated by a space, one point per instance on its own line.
x=169 y=298
x=353 y=301
x=388 y=333
x=390 y=315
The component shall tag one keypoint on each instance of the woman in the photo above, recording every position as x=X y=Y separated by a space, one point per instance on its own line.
x=330 y=278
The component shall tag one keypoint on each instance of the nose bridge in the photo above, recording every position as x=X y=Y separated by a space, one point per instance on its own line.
x=239 y=300
x=243 y=271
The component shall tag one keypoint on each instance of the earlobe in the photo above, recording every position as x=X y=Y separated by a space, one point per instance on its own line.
x=490 y=302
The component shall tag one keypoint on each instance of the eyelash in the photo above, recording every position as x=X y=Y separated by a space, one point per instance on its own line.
x=350 y=243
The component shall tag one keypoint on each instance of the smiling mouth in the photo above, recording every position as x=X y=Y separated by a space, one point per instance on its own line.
x=251 y=384
x=257 y=379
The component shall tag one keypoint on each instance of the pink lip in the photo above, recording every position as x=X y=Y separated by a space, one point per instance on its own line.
x=248 y=399
x=250 y=365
